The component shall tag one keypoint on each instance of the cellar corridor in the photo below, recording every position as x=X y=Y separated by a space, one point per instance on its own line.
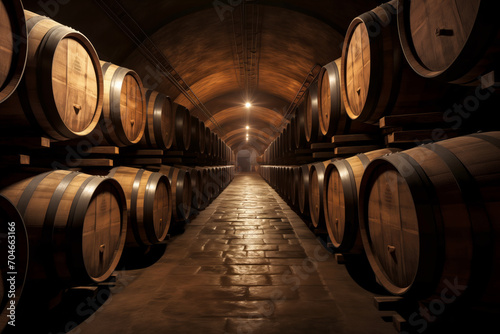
x=246 y=264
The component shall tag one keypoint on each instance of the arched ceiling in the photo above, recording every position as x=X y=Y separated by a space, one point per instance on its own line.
x=227 y=52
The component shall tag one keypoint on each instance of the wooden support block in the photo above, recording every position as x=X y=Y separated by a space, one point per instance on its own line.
x=112 y=150
x=349 y=150
x=323 y=146
x=340 y=258
x=421 y=136
x=354 y=138
x=400 y=323
x=387 y=303
x=491 y=79
x=15 y=160
x=324 y=155
x=26 y=142
x=142 y=153
x=174 y=153
x=93 y=162
x=171 y=161
x=142 y=161
x=411 y=120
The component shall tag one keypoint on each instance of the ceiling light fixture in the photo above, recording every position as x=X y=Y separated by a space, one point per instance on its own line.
x=248 y=104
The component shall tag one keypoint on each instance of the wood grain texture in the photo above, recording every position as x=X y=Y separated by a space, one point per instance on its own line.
x=13 y=46
x=62 y=88
x=180 y=183
x=342 y=181
x=124 y=106
x=149 y=205
x=453 y=41
x=160 y=126
x=75 y=216
x=427 y=217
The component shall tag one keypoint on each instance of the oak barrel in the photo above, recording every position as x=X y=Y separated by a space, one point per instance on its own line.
x=316 y=192
x=342 y=180
x=448 y=40
x=76 y=225
x=13 y=46
x=202 y=136
x=180 y=183
x=160 y=127
x=198 y=200
x=429 y=217
x=304 y=189
x=124 y=111
x=311 y=125
x=61 y=93
x=208 y=141
x=149 y=204
x=195 y=134
x=376 y=80
x=299 y=124
x=333 y=118
x=12 y=232
x=182 y=139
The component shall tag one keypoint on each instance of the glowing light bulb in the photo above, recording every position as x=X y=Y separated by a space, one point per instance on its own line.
x=248 y=127
x=248 y=104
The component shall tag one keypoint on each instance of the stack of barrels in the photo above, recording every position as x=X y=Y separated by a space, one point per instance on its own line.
x=71 y=228
x=425 y=218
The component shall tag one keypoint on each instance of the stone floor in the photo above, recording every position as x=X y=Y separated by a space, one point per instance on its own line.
x=246 y=264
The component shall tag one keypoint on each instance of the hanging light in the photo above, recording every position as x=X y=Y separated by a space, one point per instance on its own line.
x=248 y=104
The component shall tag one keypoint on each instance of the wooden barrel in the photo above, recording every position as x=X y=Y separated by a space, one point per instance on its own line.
x=333 y=118
x=195 y=134
x=300 y=125
x=182 y=139
x=76 y=225
x=159 y=130
x=149 y=205
x=429 y=219
x=124 y=110
x=342 y=180
x=311 y=125
x=452 y=41
x=291 y=138
x=206 y=193
x=212 y=187
x=376 y=80
x=316 y=192
x=208 y=142
x=180 y=182
x=12 y=232
x=198 y=201
x=61 y=93
x=201 y=136
x=13 y=46
x=304 y=189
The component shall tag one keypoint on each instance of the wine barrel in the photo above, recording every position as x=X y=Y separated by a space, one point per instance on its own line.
x=304 y=189
x=342 y=180
x=182 y=139
x=291 y=138
x=76 y=225
x=311 y=125
x=206 y=193
x=124 y=111
x=333 y=118
x=294 y=184
x=149 y=205
x=316 y=192
x=208 y=142
x=13 y=46
x=195 y=134
x=61 y=93
x=452 y=41
x=160 y=128
x=375 y=79
x=198 y=200
x=300 y=125
x=202 y=136
x=12 y=232
x=180 y=182
x=429 y=217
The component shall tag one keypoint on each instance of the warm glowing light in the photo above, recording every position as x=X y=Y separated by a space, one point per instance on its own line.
x=248 y=127
x=248 y=104
x=247 y=138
